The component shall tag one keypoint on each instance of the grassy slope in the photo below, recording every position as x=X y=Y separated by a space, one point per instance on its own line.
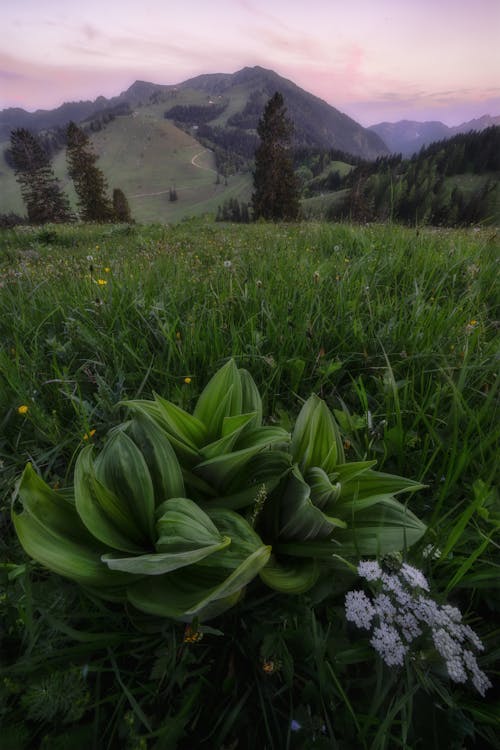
x=145 y=157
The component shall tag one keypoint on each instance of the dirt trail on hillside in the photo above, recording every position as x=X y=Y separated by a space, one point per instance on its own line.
x=193 y=162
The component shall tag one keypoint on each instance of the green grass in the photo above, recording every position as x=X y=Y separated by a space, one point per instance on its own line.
x=396 y=329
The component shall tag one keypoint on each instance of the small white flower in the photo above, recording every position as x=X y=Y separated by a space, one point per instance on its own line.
x=228 y=264
x=414 y=577
x=359 y=609
x=369 y=570
x=386 y=641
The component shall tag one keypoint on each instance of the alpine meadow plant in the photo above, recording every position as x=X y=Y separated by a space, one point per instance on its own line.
x=405 y=621
x=179 y=512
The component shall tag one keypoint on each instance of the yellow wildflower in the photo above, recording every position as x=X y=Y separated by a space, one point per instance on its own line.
x=107 y=269
x=192 y=636
x=187 y=380
x=102 y=282
x=23 y=409
x=89 y=435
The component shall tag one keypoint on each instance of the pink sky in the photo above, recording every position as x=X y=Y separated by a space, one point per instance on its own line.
x=372 y=59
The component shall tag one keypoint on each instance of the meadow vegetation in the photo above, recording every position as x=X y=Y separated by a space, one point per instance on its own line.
x=396 y=329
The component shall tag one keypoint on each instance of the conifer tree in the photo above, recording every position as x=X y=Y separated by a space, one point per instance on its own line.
x=41 y=191
x=121 y=208
x=90 y=184
x=276 y=192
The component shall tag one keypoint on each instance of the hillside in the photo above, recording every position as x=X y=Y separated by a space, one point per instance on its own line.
x=198 y=137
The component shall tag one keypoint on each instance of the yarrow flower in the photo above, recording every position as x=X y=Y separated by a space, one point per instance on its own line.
x=399 y=613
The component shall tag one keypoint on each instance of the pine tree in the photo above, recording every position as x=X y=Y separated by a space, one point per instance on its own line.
x=90 y=184
x=276 y=192
x=41 y=191
x=121 y=208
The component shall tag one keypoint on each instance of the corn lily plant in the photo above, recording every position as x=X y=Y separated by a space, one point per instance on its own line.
x=179 y=512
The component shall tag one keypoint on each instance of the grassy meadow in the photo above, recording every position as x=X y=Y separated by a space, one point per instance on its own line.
x=396 y=329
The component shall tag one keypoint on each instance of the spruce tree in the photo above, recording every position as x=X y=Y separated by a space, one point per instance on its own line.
x=90 y=184
x=276 y=191
x=41 y=191
x=121 y=208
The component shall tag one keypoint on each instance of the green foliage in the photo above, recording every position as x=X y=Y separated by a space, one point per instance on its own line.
x=121 y=208
x=276 y=193
x=90 y=183
x=41 y=191
x=131 y=527
x=395 y=330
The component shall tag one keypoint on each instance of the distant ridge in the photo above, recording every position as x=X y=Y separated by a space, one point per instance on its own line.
x=408 y=137
x=317 y=124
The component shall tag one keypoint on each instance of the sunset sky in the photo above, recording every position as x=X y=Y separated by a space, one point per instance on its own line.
x=374 y=60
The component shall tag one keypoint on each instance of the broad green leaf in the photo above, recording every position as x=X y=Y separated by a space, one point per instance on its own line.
x=226 y=443
x=221 y=397
x=162 y=562
x=122 y=469
x=185 y=427
x=264 y=436
x=53 y=509
x=250 y=396
x=382 y=528
x=52 y=534
x=185 y=451
x=233 y=424
x=244 y=540
x=160 y=458
x=105 y=515
x=183 y=526
x=219 y=471
x=323 y=492
x=316 y=439
x=348 y=471
x=62 y=556
x=192 y=592
x=375 y=483
x=298 y=517
x=265 y=467
x=290 y=576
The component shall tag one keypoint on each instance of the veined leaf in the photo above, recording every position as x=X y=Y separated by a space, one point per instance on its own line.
x=375 y=483
x=380 y=529
x=298 y=517
x=183 y=526
x=221 y=397
x=194 y=591
x=323 y=492
x=316 y=439
x=219 y=471
x=265 y=436
x=121 y=468
x=229 y=437
x=250 y=396
x=162 y=562
x=185 y=427
x=105 y=516
x=185 y=451
x=52 y=509
x=290 y=576
x=64 y=555
x=244 y=540
x=348 y=471
x=160 y=458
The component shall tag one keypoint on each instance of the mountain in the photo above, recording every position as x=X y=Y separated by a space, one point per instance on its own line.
x=407 y=137
x=198 y=137
x=243 y=95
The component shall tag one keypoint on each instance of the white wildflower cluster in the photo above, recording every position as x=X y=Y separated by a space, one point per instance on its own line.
x=400 y=612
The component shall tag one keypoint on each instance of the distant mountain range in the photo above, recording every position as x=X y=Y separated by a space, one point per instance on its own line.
x=407 y=137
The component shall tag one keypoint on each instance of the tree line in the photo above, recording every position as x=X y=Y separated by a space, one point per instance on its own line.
x=41 y=190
